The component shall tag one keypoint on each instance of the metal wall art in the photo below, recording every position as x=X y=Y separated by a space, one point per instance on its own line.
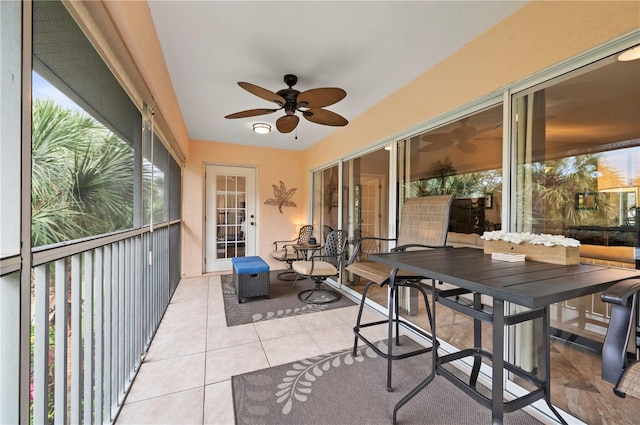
x=282 y=197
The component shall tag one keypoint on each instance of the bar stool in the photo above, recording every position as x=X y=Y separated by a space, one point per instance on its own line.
x=424 y=223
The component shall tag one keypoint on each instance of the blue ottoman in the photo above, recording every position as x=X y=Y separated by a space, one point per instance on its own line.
x=250 y=277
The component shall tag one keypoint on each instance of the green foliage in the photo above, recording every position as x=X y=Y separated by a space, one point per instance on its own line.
x=462 y=185
x=553 y=186
x=82 y=176
x=549 y=189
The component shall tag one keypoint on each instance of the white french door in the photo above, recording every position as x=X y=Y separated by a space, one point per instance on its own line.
x=230 y=215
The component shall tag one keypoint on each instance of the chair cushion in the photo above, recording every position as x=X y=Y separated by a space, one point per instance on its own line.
x=463 y=239
x=236 y=260
x=256 y=266
x=376 y=272
x=320 y=268
x=283 y=255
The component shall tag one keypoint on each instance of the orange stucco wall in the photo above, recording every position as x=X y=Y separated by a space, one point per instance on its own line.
x=273 y=166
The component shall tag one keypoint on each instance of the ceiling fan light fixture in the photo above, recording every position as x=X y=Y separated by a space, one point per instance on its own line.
x=629 y=55
x=261 y=128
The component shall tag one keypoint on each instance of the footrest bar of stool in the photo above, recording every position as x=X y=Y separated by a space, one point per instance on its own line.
x=385 y=355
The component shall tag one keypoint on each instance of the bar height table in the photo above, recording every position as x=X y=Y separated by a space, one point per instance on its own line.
x=531 y=284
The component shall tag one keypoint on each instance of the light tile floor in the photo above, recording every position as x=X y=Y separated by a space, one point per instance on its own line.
x=186 y=375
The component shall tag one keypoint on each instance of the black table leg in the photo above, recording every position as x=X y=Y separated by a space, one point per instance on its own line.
x=497 y=366
x=545 y=363
x=477 y=341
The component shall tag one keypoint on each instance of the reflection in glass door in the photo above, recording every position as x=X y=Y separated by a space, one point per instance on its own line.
x=366 y=200
x=577 y=146
x=325 y=201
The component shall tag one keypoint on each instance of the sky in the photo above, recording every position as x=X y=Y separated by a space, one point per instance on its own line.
x=42 y=89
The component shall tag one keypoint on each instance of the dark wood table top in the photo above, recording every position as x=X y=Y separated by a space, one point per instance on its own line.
x=529 y=283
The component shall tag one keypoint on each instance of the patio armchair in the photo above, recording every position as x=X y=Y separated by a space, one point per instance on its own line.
x=617 y=368
x=284 y=251
x=325 y=232
x=325 y=261
x=424 y=225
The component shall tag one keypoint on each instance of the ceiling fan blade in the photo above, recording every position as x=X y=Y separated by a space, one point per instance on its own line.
x=251 y=113
x=467 y=147
x=319 y=98
x=263 y=93
x=464 y=132
x=324 y=117
x=432 y=147
x=287 y=123
x=438 y=138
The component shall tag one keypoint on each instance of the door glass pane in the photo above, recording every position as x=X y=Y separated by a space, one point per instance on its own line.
x=366 y=199
x=577 y=145
x=231 y=212
x=325 y=201
x=463 y=158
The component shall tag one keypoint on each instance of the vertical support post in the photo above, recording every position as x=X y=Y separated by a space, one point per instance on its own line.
x=76 y=339
x=98 y=335
x=41 y=345
x=61 y=326
x=121 y=322
x=108 y=335
x=88 y=363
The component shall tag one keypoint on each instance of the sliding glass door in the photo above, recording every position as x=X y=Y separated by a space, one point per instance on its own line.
x=578 y=174
x=325 y=201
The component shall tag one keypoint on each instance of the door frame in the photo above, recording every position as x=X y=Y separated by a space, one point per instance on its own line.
x=213 y=265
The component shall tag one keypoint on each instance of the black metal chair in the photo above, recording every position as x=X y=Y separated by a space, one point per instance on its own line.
x=284 y=251
x=424 y=224
x=617 y=367
x=325 y=232
x=325 y=262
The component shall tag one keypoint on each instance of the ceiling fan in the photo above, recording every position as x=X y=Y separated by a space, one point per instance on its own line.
x=310 y=103
x=458 y=137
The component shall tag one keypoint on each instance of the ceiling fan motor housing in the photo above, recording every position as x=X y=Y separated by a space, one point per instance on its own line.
x=291 y=97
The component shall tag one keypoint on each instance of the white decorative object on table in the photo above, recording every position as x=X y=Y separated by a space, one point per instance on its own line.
x=555 y=249
x=508 y=256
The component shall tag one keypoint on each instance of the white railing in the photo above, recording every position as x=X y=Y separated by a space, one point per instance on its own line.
x=94 y=313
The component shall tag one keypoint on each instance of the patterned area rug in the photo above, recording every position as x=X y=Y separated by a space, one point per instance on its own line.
x=338 y=389
x=283 y=301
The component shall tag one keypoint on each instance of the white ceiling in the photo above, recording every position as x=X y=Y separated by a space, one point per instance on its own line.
x=368 y=48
